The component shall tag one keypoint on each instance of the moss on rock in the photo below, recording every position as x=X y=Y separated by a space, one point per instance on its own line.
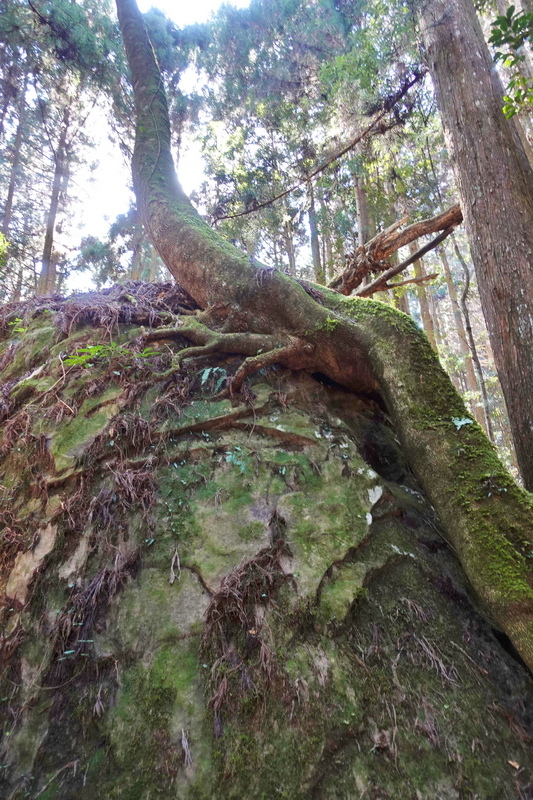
x=360 y=666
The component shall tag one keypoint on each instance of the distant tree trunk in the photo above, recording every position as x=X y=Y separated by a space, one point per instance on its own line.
x=153 y=264
x=17 y=289
x=463 y=302
x=17 y=146
x=401 y=302
x=480 y=413
x=363 y=219
x=425 y=311
x=287 y=235
x=327 y=249
x=289 y=249
x=9 y=93
x=315 y=244
x=329 y=260
x=496 y=187
x=47 y=276
x=435 y=316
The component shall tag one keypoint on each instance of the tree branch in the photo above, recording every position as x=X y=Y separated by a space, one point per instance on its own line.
x=380 y=283
x=368 y=130
x=421 y=280
x=384 y=244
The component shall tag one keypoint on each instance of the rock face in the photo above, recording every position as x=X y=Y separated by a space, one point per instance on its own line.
x=235 y=599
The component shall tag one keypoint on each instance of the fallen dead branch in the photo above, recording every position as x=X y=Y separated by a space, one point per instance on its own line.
x=371 y=256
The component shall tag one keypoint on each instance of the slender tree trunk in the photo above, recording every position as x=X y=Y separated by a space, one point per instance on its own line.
x=17 y=289
x=363 y=219
x=401 y=302
x=463 y=302
x=480 y=412
x=152 y=265
x=496 y=187
x=17 y=146
x=329 y=261
x=8 y=96
x=425 y=311
x=315 y=243
x=288 y=241
x=327 y=248
x=289 y=249
x=435 y=317
x=3 y=112
x=47 y=276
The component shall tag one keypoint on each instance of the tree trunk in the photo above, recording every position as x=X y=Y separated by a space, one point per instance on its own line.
x=425 y=311
x=17 y=289
x=315 y=244
x=435 y=317
x=47 y=276
x=401 y=302
x=9 y=93
x=328 y=263
x=287 y=236
x=496 y=187
x=362 y=345
x=15 y=161
x=363 y=219
x=480 y=412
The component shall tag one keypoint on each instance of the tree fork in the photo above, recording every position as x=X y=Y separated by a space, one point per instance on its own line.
x=361 y=344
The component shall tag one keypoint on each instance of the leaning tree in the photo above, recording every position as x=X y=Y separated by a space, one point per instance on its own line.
x=253 y=544
x=362 y=346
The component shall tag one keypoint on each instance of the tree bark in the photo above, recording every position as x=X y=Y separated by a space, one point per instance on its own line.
x=496 y=186
x=362 y=345
x=9 y=93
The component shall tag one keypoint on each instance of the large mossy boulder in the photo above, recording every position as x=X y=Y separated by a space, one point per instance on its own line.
x=216 y=597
